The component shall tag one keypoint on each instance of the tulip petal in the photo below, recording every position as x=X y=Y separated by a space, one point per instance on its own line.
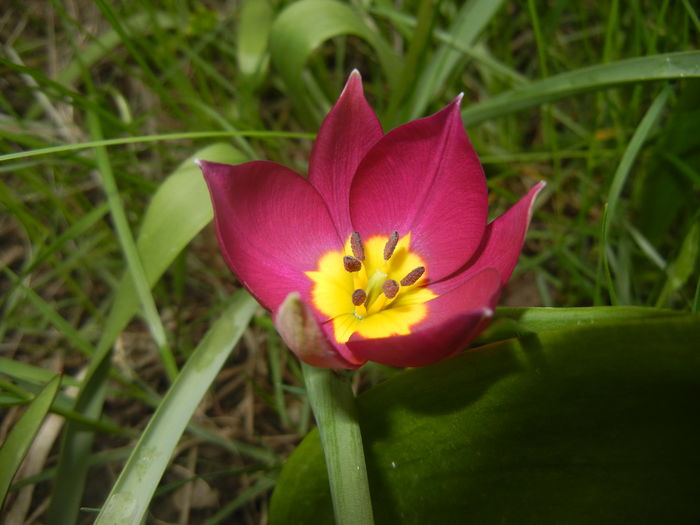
x=272 y=226
x=424 y=178
x=296 y=323
x=504 y=238
x=349 y=130
x=454 y=319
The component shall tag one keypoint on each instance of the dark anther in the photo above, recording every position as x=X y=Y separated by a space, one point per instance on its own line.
x=413 y=276
x=351 y=264
x=391 y=245
x=359 y=297
x=356 y=245
x=390 y=288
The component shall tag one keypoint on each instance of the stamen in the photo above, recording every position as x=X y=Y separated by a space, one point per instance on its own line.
x=356 y=245
x=391 y=245
x=413 y=276
x=359 y=297
x=390 y=288
x=351 y=264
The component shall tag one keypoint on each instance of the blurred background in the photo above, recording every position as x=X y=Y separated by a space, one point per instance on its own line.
x=101 y=102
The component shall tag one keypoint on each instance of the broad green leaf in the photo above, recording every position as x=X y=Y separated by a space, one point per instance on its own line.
x=165 y=231
x=302 y=27
x=633 y=70
x=518 y=321
x=590 y=424
x=20 y=438
x=130 y=496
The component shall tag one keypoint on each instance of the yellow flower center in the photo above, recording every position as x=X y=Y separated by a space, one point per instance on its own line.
x=376 y=288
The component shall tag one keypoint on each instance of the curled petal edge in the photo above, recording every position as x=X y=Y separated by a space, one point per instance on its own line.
x=299 y=329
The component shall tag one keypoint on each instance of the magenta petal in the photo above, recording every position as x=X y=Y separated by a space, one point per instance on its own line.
x=349 y=130
x=342 y=349
x=425 y=178
x=272 y=226
x=298 y=327
x=504 y=238
x=454 y=320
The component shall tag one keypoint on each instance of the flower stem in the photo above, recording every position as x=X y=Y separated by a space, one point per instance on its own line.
x=333 y=403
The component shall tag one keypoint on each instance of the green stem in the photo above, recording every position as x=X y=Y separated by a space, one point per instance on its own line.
x=333 y=403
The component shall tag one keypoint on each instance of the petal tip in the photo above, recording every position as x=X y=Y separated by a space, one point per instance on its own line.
x=353 y=83
x=535 y=191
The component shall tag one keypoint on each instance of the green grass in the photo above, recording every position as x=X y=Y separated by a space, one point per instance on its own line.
x=106 y=279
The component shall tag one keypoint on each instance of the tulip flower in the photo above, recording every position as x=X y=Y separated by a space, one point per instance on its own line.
x=384 y=253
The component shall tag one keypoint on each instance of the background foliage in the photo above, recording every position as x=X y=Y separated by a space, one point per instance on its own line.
x=111 y=274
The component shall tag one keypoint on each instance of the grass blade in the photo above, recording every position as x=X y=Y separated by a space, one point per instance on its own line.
x=131 y=494
x=167 y=229
x=153 y=138
x=22 y=434
x=630 y=71
x=623 y=170
x=128 y=246
x=471 y=20
x=680 y=270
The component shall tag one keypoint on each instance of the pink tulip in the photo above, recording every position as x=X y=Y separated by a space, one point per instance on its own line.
x=384 y=252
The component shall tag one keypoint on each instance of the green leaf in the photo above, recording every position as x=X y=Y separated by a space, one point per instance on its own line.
x=590 y=424
x=682 y=268
x=130 y=496
x=518 y=321
x=252 y=37
x=104 y=44
x=302 y=27
x=22 y=434
x=18 y=370
x=472 y=18
x=167 y=229
x=633 y=70
x=623 y=170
